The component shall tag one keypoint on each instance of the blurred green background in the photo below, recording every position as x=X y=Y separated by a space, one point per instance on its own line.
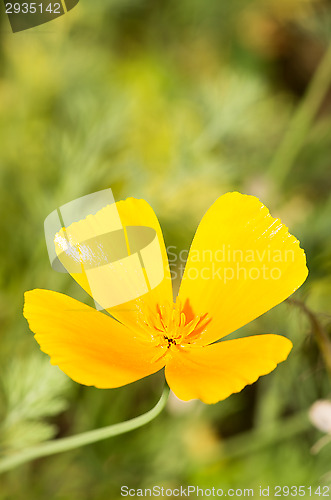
x=177 y=103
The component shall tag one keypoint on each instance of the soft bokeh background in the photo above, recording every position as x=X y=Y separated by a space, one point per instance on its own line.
x=178 y=103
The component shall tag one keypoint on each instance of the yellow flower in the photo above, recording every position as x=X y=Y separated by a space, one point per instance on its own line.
x=242 y=262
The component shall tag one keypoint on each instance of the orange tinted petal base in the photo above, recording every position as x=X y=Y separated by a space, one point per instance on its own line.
x=242 y=262
x=89 y=346
x=132 y=212
x=137 y=212
x=214 y=372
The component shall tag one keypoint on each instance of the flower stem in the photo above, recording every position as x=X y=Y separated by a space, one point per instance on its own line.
x=321 y=336
x=70 y=443
x=302 y=120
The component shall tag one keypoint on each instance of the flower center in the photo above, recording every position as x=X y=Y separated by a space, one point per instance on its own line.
x=169 y=327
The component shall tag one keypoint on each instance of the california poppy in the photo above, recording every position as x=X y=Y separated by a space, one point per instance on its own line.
x=242 y=262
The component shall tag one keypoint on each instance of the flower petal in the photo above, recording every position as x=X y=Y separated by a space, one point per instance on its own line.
x=214 y=372
x=88 y=345
x=124 y=278
x=242 y=262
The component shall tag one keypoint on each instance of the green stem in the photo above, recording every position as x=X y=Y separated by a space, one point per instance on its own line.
x=302 y=120
x=70 y=443
x=321 y=336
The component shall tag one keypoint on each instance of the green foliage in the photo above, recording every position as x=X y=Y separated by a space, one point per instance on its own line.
x=32 y=391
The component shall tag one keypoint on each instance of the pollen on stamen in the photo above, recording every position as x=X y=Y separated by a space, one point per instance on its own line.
x=168 y=327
